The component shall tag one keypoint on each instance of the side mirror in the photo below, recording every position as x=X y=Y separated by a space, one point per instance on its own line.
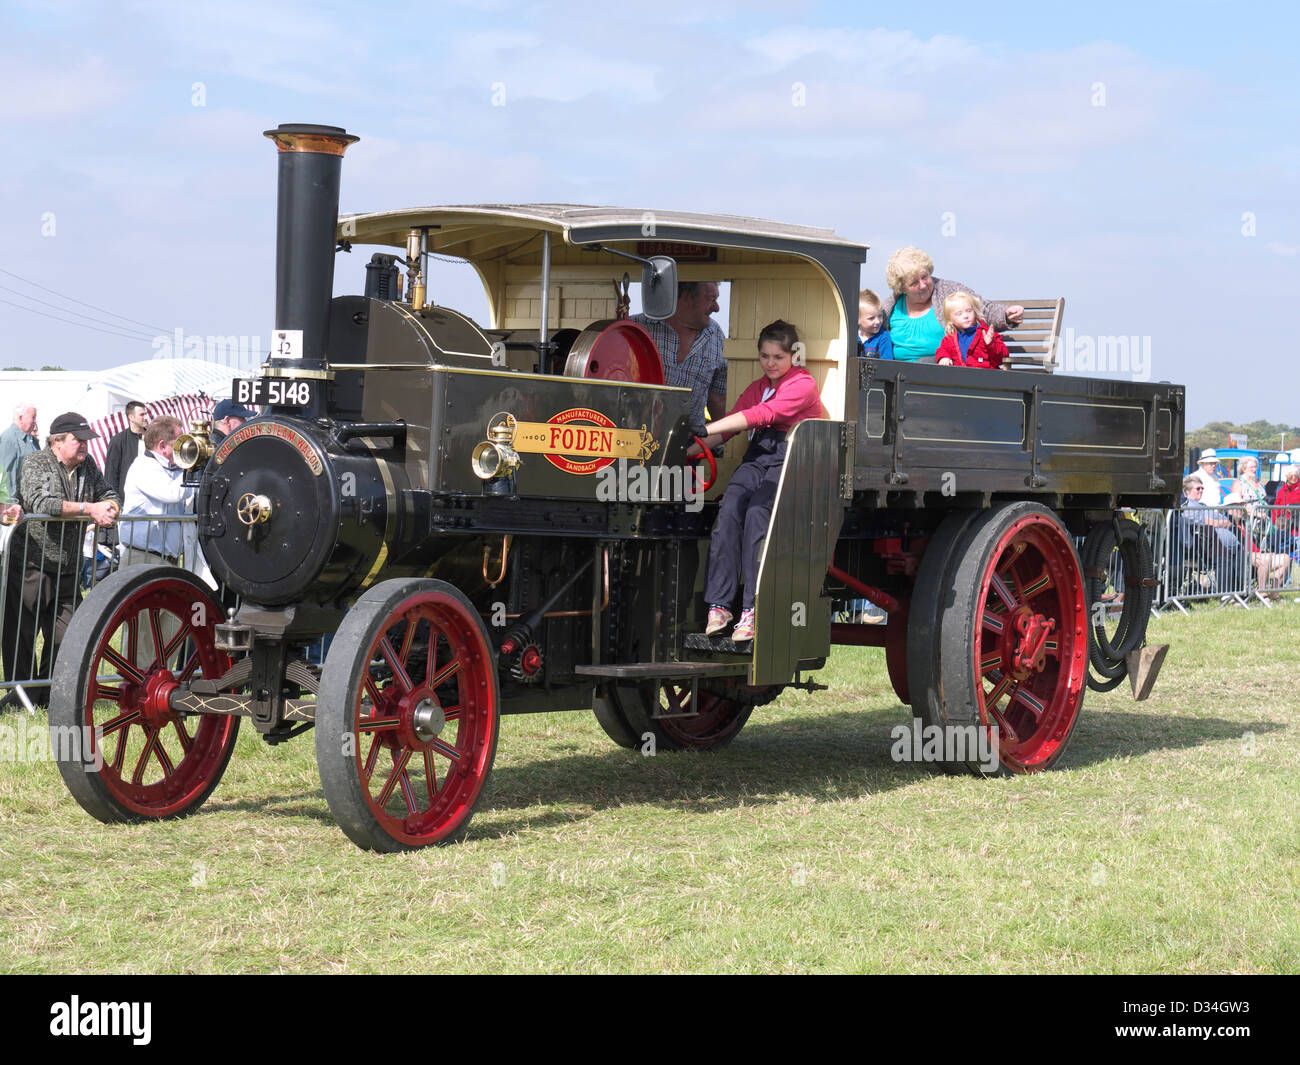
x=659 y=288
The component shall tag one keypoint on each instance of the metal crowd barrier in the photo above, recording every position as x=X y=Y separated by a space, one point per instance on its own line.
x=1232 y=554
x=39 y=587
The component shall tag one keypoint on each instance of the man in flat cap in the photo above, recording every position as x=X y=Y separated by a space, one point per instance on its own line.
x=227 y=416
x=45 y=566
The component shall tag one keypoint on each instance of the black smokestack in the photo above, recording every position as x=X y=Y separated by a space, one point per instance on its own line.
x=311 y=158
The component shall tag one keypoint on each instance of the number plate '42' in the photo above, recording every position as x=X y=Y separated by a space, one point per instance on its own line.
x=273 y=391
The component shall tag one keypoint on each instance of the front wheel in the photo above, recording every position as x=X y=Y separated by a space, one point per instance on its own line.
x=122 y=751
x=407 y=721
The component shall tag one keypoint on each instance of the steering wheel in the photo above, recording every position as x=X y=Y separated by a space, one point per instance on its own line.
x=713 y=466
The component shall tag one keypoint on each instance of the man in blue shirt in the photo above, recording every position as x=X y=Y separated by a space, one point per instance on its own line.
x=16 y=443
x=690 y=345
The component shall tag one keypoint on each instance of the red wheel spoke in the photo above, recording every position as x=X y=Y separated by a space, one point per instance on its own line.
x=371 y=758
x=1040 y=584
x=408 y=638
x=186 y=739
x=150 y=738
x=155 y=632
x=446 y=750
x=132 y=639
x=1003 y=725
x=441 y=676
x=399 y=764
x=990 y=662
x=120 y=754
x=430 y=776
x=396 y=665
x=380 y=724
x=191 y=667
x=1000 y=689
x=1004 y=593
x=163 y=757
x=372 y=691
x=451 y=713
x=993 y=622
x=123 y=666
x=1013 y=553
x=122 y=720
x=408 y=792
x=1027 y=698
x=174 y=644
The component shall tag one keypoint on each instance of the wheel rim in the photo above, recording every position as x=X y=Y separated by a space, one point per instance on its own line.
x=156 y=762
x=425 y=720
x=1031 y=647
x=719 y=716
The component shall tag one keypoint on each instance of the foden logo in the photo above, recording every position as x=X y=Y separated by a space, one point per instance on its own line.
x=581 y=440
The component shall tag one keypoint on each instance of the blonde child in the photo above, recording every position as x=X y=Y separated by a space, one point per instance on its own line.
x=968 y=341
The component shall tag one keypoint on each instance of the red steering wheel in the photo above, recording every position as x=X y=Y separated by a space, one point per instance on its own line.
x=713 y=466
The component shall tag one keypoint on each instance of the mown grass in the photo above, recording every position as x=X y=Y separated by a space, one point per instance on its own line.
x=1167 y=842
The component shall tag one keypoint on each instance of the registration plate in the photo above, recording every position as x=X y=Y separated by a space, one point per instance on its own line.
x=274 y=391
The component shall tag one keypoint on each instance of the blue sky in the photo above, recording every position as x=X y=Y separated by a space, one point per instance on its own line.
x=1140 y=160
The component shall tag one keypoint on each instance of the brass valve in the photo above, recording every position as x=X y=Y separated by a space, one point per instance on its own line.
x=253 y=509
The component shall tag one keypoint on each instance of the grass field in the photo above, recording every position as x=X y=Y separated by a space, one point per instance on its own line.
x=1167 y=842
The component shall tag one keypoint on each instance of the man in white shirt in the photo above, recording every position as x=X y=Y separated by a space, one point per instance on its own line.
x=1213 y=494
x=154 y=486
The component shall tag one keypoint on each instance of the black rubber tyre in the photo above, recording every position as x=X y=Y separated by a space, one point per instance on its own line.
x=724 y=710
x=122 y=752
x=1014 y=628
x=606 y=706
x=411 y=659
x=934 y=586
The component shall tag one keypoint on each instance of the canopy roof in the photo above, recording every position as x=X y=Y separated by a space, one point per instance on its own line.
x=472 y=231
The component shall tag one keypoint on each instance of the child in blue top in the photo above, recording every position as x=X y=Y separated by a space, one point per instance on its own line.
x=874 y=341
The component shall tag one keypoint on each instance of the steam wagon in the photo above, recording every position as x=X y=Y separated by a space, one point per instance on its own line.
x=453 y=504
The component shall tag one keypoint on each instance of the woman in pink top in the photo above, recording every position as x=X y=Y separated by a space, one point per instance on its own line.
x=774 y=404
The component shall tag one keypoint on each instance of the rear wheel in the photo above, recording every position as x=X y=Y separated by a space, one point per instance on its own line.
x=1012 y=647
x=408 y=716
x=122 y=751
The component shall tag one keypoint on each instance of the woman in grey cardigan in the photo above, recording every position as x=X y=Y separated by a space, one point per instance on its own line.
x=914 y=309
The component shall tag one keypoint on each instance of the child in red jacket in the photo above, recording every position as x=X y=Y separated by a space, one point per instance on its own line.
x=969 y=341
x=785 y=395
